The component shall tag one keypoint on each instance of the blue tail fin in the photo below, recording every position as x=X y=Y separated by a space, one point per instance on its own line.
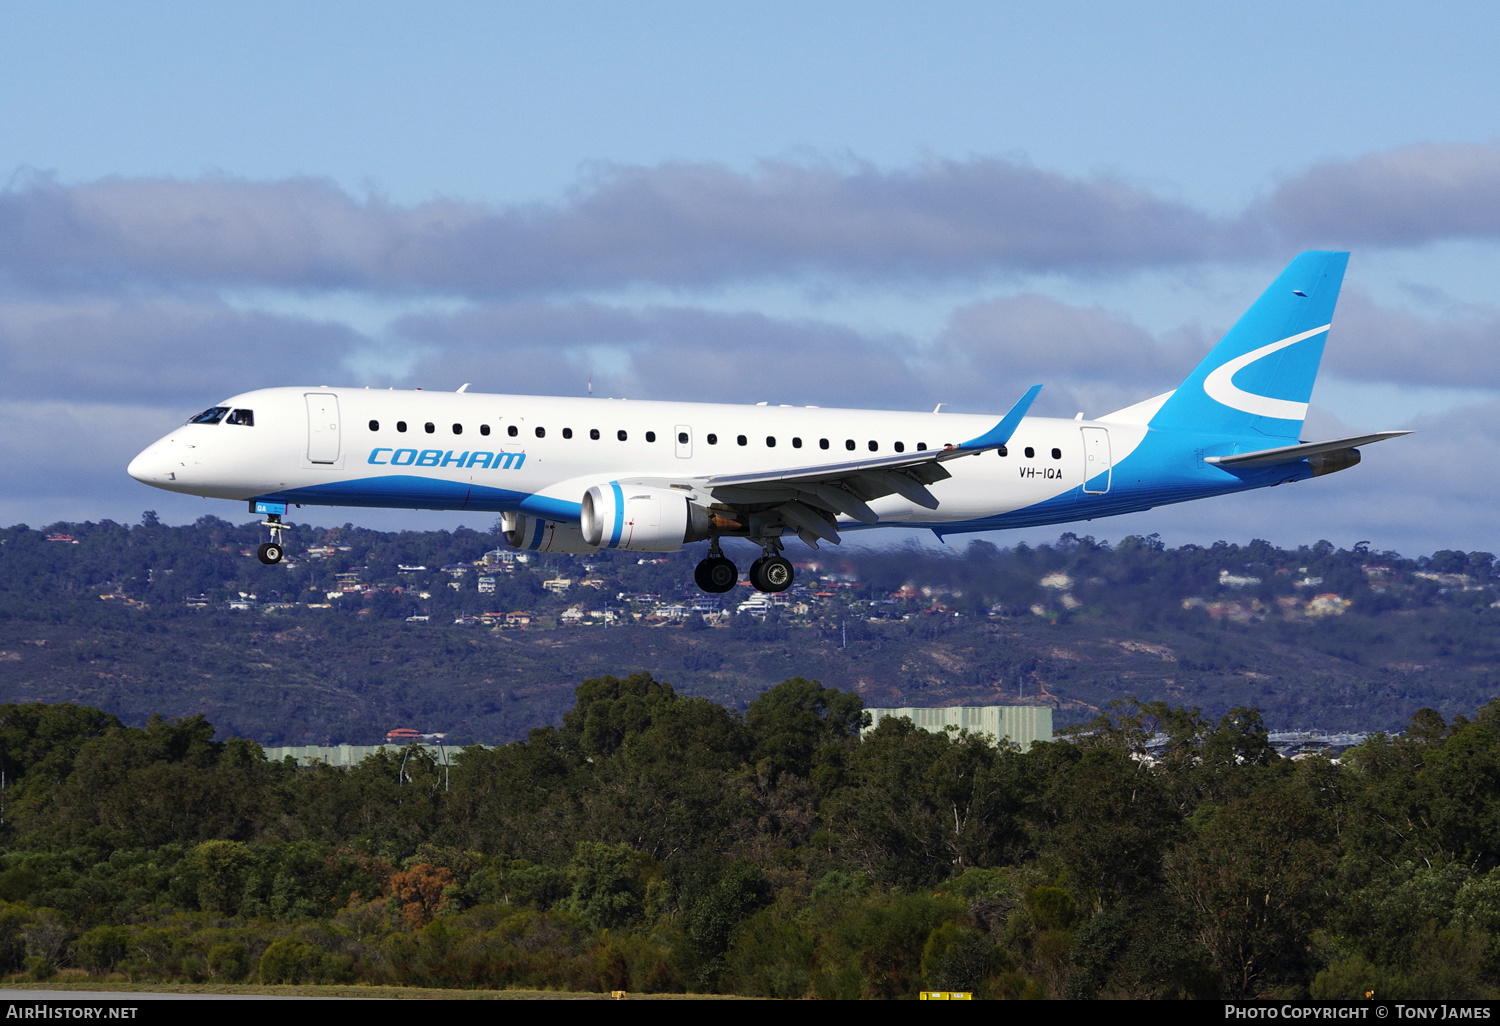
x=1258 y=379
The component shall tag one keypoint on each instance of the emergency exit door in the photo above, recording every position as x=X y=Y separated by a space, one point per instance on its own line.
x=1097 y=465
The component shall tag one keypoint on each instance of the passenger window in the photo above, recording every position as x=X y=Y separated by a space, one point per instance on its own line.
x=741 y=439
x=900 y=446
x=1030 y=452
x=682 y=438
x=374 y=425
x=212 y=415
x=541 y=432
x=512 y=431
x=429 y=427
x=822 y=443
x=458 y=429
x=650 y=436
x=401 y=425
x=849 y=444
x=620 y=435
x=484 y=429
x=712 y=440
x=244 y=418
x=1057 y=454
x=567 y=432
x=921 y=447
x=594 y=434
x=796 y=443
x=1003 y=451
x=874 y=445
x=770 y=441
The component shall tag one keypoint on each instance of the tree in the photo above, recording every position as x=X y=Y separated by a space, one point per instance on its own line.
x=793 y=721
x=1258 y=879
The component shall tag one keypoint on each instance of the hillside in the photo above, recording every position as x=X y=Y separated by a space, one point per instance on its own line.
x=138 y=620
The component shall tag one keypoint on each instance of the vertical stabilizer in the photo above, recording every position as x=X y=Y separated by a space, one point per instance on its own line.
x=1258 y=379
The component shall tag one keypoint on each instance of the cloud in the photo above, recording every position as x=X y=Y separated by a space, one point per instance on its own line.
x=696 y=225
x=660 y=353
x=677 y=224
x=1459 y=348
x=160 y=349
x=1043 y=338
x=1400 y=197
x=980 y=362
x=64 y=459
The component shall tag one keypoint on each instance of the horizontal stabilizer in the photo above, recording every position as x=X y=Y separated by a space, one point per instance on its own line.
x=1293 y=453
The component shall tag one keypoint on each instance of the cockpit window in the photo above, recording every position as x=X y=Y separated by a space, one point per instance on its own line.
x=212 y=415
x=242 y=417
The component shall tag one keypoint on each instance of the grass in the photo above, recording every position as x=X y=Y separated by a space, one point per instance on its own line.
x=84 y=986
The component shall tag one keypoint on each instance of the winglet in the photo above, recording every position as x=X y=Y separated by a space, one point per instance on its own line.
x=998 y=435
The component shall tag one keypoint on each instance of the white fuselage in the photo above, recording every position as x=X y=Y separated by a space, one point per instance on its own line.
x=538 y=455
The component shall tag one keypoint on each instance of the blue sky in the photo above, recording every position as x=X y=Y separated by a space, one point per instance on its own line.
x=850 y=200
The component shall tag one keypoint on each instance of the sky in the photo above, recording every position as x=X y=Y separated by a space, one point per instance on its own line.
x=871 y=205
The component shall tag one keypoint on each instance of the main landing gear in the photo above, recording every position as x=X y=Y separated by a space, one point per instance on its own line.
x=272 y=551
x=716 y=574
x=771 y=572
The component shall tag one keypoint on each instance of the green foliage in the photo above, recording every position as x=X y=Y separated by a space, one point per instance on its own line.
x=772 y=955
x=793 y=722
x=291 y=960
x=958 y=957
x=610 y=883
x=99 y=950
x=228 y=961
x=658 y=842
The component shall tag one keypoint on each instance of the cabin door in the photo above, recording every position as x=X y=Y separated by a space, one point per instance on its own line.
x=322 y=427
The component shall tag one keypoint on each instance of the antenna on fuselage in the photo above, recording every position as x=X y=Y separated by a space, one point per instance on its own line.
x=591 y=384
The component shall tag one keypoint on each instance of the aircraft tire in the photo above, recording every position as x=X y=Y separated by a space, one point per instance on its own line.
x=716 y=575
x=772 y=573
x=270 y=553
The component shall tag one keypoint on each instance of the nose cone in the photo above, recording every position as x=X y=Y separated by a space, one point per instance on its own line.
x=153 y=466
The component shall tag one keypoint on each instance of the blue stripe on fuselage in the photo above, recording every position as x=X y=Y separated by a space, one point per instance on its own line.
x=1165 y=468
x=413 y=492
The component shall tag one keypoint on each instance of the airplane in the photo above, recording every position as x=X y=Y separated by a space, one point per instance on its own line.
x=577 y=475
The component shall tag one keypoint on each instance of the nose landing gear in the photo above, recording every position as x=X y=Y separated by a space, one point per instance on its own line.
x=272 y=551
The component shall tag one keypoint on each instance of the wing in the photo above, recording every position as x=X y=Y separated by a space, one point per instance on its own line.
x=809 y=499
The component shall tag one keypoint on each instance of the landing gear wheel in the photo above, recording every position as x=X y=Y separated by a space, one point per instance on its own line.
x=772 y=573
x=716 y=575
x=270 y=553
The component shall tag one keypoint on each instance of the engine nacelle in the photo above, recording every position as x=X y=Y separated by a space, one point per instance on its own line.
x=1332 y=462
x=537 y=535
x=641 y=518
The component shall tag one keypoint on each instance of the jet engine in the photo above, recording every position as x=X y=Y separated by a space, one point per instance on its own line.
x=537 y=535
x=641 y=518
x=1332 y=462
